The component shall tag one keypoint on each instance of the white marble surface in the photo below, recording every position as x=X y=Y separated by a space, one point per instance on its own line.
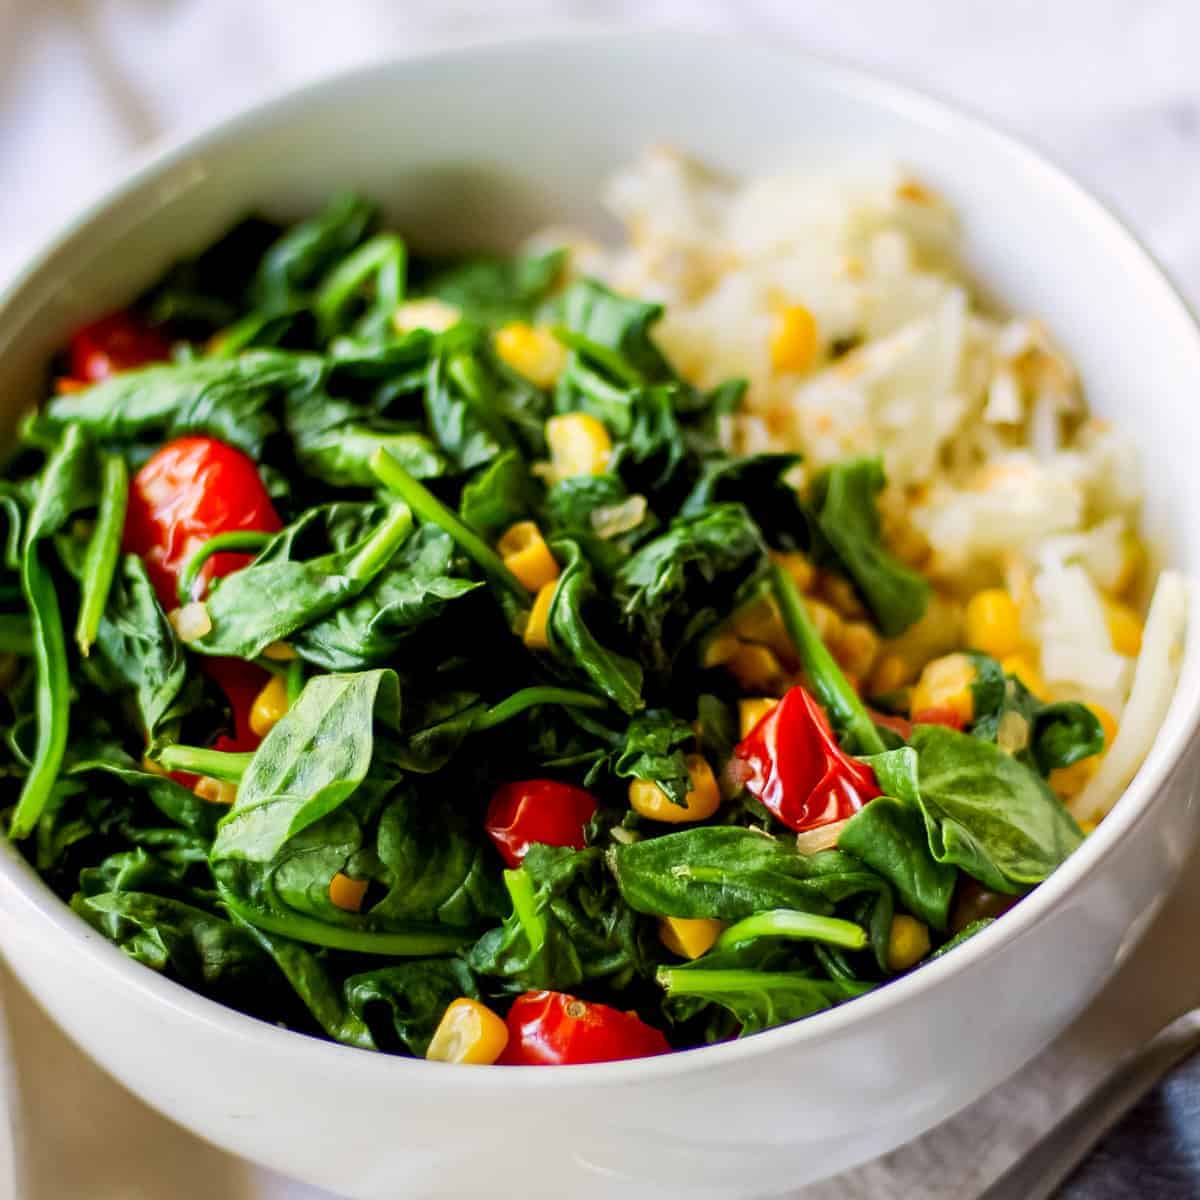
x=1111 y=88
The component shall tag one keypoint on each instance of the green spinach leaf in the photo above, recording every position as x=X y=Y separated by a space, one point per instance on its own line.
x=984 y=811
x=842 y=498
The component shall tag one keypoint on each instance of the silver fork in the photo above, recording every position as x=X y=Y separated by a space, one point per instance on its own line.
x=1039 y=1174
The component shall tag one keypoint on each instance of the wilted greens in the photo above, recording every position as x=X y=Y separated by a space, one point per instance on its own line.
x=498 y=539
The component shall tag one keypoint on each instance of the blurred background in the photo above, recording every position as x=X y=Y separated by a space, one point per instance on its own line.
x=1110 y=88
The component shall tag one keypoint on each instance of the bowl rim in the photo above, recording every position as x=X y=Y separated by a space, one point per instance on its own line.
x=37 y=904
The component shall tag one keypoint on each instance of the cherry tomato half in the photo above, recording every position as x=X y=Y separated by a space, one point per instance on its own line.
x=117 y=342
x=798 y=770
x=537 y=810
x=187 y=492
x=547 y=1029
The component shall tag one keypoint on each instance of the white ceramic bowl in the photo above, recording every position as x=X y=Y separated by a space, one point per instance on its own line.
x=489 y=143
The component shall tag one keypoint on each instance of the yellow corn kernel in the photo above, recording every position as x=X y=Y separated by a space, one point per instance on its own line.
x=759 y=621
x=904 y=539
x=1124 y=628
x=216 y=791
x=803 y=573
x=534 y=353
x=794 y=339
x=1107 y=722
x=992 y=623
x=1022 y=667
x=579 y=445
x=750 y=712
x=269 y=705
x=1068 y=782
x=827 y=622
x=908 y=943
x=840 y=594
x=702 y=800
x=756 y=668
x=856 y=648
x=527 y=556
x=535 y=631
x=469 y=1032
x=891 y=673
x=718 y=650
x=279 y=652
x=1087 y=828
x=689 y=937
x=435 y=315
x=946 y=683
x=346 y=893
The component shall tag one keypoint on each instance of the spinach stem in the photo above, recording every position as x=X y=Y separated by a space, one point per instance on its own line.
x=694 y=980
x=239 y=540
x=524 y=899
x=104 y=549
x=799 y=926
x=388 y=536
x=831 y=686
x=530 y=697
x=52 y=701
x=198 y=760
x=16 y=634
x=414 y=943
x=429 y=508
x=384 y=257
x=295 y=680
x=612 y=360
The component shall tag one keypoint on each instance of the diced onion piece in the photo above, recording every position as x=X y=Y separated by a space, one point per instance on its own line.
x=612 y=520
x=191 y=622
x=824 y=837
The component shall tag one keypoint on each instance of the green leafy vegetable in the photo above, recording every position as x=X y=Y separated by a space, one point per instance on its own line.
x=498 y=289
x=374 y=673
x=984 y=811
x=758 y=999
x=729 y=873
x=277 y=595
x=568 y=925
x=573 y=640
x=653 y=751
x=59 y=490
x=888 y=834
x=682 y=582
x=403 y=1005
x=843 y=501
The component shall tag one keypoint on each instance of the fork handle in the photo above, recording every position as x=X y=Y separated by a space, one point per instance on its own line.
x=1046 y=1166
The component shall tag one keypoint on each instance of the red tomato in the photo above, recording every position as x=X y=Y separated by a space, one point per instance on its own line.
x=547 y=1029
x=241 y=682
x=798 y=770
x=114 y=343
x=189 y=491
x=939 y=716
x=537 y=810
